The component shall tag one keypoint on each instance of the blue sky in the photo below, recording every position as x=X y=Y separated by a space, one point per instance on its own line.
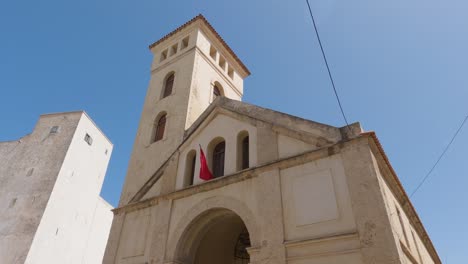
x=400 y=68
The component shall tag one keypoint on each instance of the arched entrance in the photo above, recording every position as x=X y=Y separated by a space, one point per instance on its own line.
x=216 y=236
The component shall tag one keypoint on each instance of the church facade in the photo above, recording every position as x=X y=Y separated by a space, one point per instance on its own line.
x=285 y=189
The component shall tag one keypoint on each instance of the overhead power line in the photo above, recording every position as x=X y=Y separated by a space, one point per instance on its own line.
x=326 y=63
x=440 y=157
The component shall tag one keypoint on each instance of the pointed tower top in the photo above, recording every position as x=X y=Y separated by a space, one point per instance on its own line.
x=208 y=29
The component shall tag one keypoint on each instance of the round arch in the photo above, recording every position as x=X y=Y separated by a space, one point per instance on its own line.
x=210 y=149
x=217 y=90
x=167 y=88
x=194 y=226
x=157 y=125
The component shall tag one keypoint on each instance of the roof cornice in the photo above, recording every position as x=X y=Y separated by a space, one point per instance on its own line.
x=205 y=22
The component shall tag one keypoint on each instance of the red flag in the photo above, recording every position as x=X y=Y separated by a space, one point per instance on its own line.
x=205 y=173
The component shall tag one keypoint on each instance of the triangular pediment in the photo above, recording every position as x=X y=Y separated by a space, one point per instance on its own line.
x=273 y=136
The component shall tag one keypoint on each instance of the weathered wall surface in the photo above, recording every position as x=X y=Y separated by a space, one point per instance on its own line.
x=28 y=170
x=65 y=228
x=297 y=210
x=50 y=209
x=323 y=206
x=406 y=237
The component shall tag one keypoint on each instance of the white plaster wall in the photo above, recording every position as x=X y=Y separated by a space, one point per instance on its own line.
x=65 y=228
x=28 y=171
x=99 y=233
x=415 y=246
x=221 y=126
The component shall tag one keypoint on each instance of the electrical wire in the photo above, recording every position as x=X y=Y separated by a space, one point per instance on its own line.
x=440 y=157
x=344 y=115
x=326 y=63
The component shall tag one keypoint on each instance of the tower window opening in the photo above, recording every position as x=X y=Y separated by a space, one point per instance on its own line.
x=218 y=159
x=184 y=43
x=231 y=72
x=160 y=127
x=222 y=63
x=163 y=55
x=243 y=150
x=168 y=85
x=173 y=50
x=213 y=53
x=217 y=91
x=88 y=139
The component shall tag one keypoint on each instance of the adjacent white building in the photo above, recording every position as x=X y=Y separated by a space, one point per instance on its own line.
x=50 y=181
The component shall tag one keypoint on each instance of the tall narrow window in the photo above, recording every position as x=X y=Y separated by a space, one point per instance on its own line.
x=192 y=170
x=168 y=85
x=245 y=152
x=218 y=159
x=160 y=127
x=190 y=162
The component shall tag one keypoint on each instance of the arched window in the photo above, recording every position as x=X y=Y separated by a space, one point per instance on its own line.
x=190 y=168
x=217 y=90
x=168 y=84
x=243 y=150
x=160 y=127
x=218 y=159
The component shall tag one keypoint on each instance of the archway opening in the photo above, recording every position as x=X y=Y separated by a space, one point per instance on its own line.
x=218 y=236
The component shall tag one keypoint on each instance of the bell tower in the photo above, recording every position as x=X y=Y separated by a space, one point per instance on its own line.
x=191 y=66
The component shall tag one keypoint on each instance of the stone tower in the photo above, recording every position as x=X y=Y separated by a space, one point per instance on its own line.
x=190 y=66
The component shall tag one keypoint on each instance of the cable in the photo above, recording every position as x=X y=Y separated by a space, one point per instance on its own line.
x=435 y=164
x=328 y=68
x=440 y=157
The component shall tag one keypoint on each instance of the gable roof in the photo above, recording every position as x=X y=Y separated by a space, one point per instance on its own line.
x=275 y=118
x=203 y=20
x=328 y=134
